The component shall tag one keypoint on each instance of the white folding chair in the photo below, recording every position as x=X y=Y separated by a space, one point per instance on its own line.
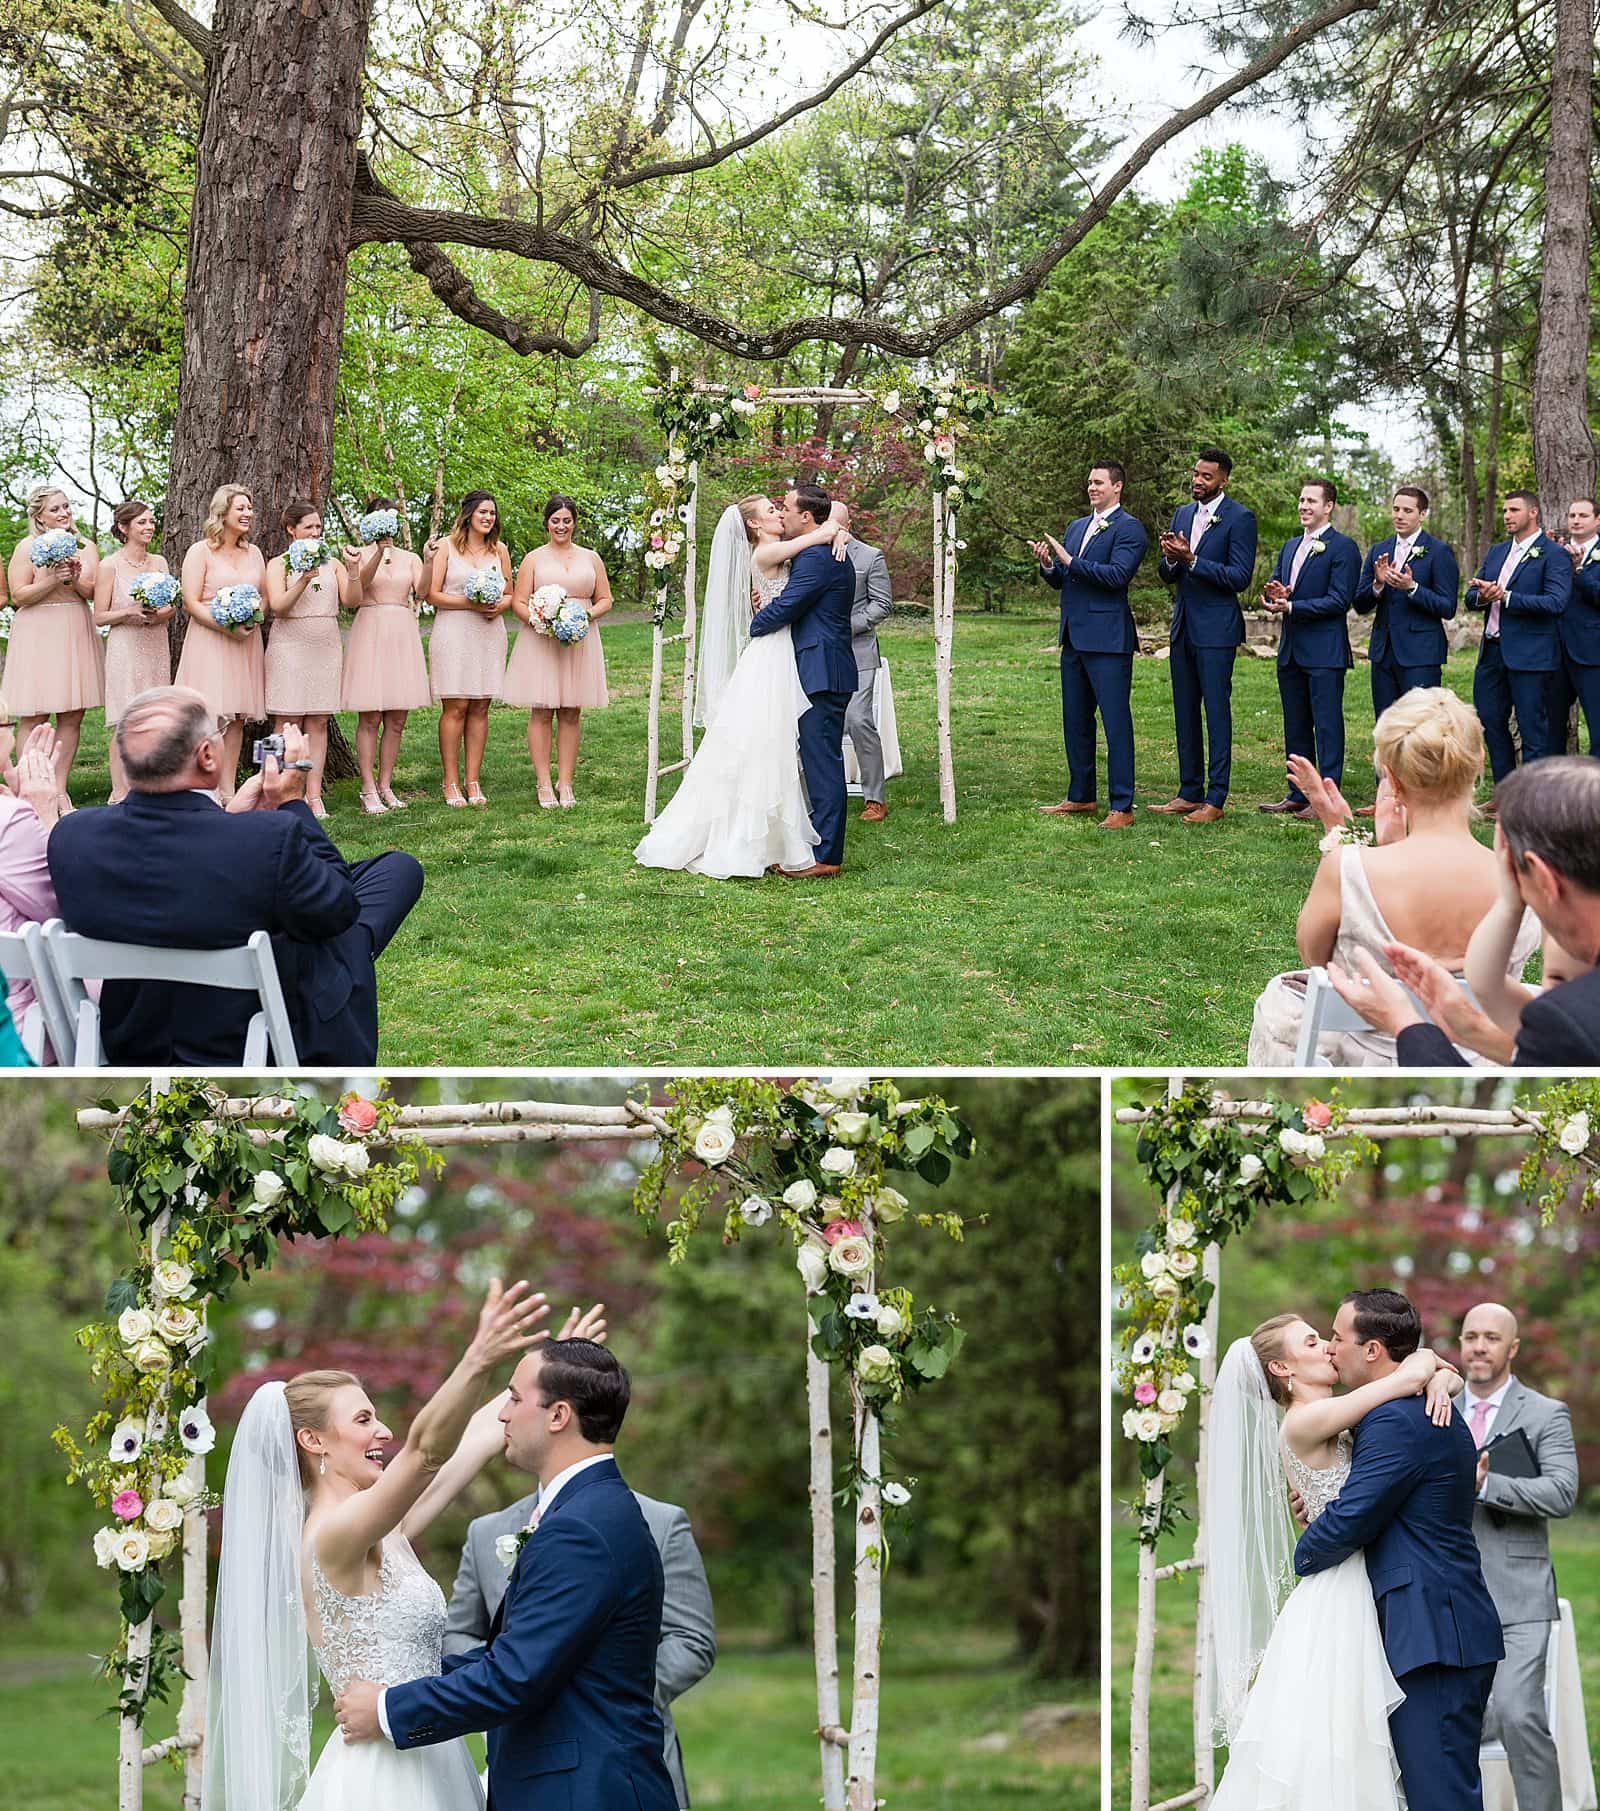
x=1324 y=1010
x=46 y=1024
x=247 y=968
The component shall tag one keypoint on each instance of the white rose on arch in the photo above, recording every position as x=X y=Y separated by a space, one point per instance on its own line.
x=851 y=1256
x=889 y=1205
x=812 y=1263
x=163 y=1515
x=1574 y=1135
x=105 y=1546
x=836 y=1161
x=1153 y=1264
x=891 y=1322
x=134 y=1325
x=1183 y=1263
x=1250 y=1167
x=876 y=1364
x=325 y=1154
x=1180 y=1231
x=850 y=1128
x=1170 y=1402
x=1146 y=1424
x=269 y=1189
x=1164 y=1287
x=151 y=1357
x=801 y=1196
x=714 y=1142
x=354 y=1160
x=180 y=1490
x=132 y=1549
x=174 y=1282
x=177 y=1324
x=1185 y=1383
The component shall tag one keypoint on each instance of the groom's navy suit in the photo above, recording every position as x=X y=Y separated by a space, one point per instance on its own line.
x=1408 y=1502
x=816 y=603
x=1098 y=643
x=566 y=1685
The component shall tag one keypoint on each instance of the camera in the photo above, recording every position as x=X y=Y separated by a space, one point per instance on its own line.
x=268 y=748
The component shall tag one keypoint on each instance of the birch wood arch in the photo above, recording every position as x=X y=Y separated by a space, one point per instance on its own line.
x=1563 y=1128
x=692 y=1168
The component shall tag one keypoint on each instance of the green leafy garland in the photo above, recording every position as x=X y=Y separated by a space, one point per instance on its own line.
x=1566 y=1151
x=815 y=1159
x=942 y=412
x=1211 y=1180
x=693 y=422
x=232 y=1193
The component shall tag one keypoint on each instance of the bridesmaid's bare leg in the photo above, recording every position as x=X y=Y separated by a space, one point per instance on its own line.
x=569 y=726
x=316 y=729
x=232 y=741
x=69 y=727
x=394 y=727
x=539 y=752
x=119 y=780
x=367 y=723
x=452 y=723
x=477 y=740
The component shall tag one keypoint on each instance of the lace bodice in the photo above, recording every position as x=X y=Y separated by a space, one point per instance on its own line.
x=390 y=1635
x=768 y=588
x=1318 y=1488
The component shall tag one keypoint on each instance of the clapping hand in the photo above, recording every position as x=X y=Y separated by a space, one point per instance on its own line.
x=1377 y=997
x=37 y=780
x=1323 y=796
x=1275 y=597
x=1176 y=549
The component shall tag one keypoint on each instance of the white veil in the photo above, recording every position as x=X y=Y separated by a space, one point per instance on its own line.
x=725 y=615
x=1250 y=1536
x=263 y=1682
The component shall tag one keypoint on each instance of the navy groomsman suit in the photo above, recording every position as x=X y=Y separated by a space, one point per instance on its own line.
x=1521 y=650
x=1408 y=647
x=1207 y=628
x=1314 y=648
x=1578 y=676
x=1098 y=644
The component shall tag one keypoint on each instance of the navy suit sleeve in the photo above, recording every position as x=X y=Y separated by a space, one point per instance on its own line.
x=1231 y=572
x=562 y=1593
x=1381 y=1479
x=316 y=897
x=808 y=583
x=1555 y=586
x=1054 y=575
x=1426 y=1047
x=1551 y=1037
x=1127 y=549
x=1441 y=594
x=1366 y=597
x=1586 y=584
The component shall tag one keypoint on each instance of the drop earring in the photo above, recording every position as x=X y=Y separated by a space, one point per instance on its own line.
x=322 y=1469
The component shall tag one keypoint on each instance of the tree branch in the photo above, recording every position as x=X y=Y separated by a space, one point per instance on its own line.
x=380 y=217
x=198 y=37
x=194 y=83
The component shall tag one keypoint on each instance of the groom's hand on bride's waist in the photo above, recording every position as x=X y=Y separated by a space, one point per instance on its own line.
x=356 y=1711
x=1297 y=1504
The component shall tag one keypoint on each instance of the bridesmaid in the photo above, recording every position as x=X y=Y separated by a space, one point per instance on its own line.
x=138 y=655
x=55 y=666
x=304 y=650
x=225 y=666
x=555 y=679
x=467 y=650
x=385 y=670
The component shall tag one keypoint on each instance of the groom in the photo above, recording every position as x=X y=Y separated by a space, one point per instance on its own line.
x=817 y=602
x=566 y=1683
x=1408 y=1502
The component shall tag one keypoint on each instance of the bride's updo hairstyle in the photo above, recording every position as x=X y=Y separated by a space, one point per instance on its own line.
x=747 y=507
x=1431 y=743
x=308 y=1398
x=1267 y=1344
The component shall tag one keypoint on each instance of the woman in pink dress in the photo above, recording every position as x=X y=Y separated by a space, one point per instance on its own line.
x=304 y=648
x=385 y=669
x=225 y=666
x=467 y=650
x=558 y=680
x=138 y=654
x=54 y=663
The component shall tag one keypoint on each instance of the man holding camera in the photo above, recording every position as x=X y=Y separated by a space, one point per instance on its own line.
x=170 y=867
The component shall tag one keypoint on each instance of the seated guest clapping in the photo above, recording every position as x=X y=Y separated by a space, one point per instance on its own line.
x=170 y=867
x=1547 y=845
x=1426 y=882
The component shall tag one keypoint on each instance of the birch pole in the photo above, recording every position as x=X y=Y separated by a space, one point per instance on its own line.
x=1204 y=1756
x=653 y=721
x=192 y=1621
x=136 y=1669
x=869 y=1609
x=689 y=612
x=824 y=1611
x=943 y=634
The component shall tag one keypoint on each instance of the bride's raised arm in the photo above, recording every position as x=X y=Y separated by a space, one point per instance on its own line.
x=769 y=555
x=1424 y=1373
x=507 y=1327
x=485 y=1438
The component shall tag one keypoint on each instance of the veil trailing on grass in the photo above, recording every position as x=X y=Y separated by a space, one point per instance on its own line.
x=725 y=621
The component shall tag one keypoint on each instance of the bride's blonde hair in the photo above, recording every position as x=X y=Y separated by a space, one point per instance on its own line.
x=747 y=507
x=308 y=1398
x=1267 y=1344
x=1431 y=743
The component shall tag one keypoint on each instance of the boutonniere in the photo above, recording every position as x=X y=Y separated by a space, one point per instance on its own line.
x=1416 y=553
x=1316 y=548
x=1591 y=556
x=1533 y=553
x=508 y=1546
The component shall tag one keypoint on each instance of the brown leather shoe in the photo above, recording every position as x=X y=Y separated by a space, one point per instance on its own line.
x=1306 y=815
x=1117 y=820
x=821 y=870
x=1176 y=807
x=1207 y=814
x=1284 y=805
x=874 y=812
x=1069 y=808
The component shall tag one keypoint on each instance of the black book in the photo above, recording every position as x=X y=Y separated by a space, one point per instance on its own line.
x=1511 y=1455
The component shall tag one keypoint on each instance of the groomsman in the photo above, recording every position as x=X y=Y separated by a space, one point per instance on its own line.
x=1578 y=676
x=1208 y=556
x=1524 y=584
x=1092 y=567
x=1413 y=583
x=1311 y=590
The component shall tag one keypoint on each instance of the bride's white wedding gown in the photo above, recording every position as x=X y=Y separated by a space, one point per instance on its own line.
x=393 y=1634
x=741 y=805
x=1315 y=1730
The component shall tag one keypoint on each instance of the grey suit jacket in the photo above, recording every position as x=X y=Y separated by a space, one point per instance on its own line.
x=874 y=600
x=688 y=1647
x=1510 y=1520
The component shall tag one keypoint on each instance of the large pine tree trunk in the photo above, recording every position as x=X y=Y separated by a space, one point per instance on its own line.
x=269 y=239
x=1563 y=445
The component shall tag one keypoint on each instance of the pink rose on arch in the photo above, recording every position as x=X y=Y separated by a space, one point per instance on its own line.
x=1144 y=1392
x=836 y=1230
x=752 y=392
x=127 y=1505
x=1317 y=1114
x=356 y=1114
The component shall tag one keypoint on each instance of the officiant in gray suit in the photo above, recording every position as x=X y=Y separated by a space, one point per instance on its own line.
x=873 y=602
x=688 y=1646
x=1510 y=1522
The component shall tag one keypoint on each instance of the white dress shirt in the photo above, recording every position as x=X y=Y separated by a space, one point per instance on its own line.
x=1493 y=1405
x=1204 y=515
x=1397 y=558
x=1582 y=549
x=1096 y=522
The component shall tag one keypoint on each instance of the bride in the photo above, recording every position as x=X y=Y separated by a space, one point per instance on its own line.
x=1300 y=1689
x=741 y=807
x=316 y=1548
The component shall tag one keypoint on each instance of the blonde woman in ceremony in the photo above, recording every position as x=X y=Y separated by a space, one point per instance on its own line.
x=54 y=663
x=222 y=660
x=470 y=590
x=307 y=586
x=559 y=679
x=138 y=654
x=385 y=669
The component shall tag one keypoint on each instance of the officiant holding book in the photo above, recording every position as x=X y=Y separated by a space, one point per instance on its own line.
x=1527 y=1474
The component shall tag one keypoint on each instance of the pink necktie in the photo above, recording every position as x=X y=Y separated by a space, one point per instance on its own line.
x=1480 y=1417
x=1302 y=554
x=1507 y=566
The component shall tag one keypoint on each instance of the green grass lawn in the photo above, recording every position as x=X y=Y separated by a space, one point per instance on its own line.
x=1009 y=938
x=952 y=1709
x=1574 y=1546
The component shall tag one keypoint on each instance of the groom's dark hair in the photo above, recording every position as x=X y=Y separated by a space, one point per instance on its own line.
x=1386 y=1316
x=592 y=1380
x=814 y=501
